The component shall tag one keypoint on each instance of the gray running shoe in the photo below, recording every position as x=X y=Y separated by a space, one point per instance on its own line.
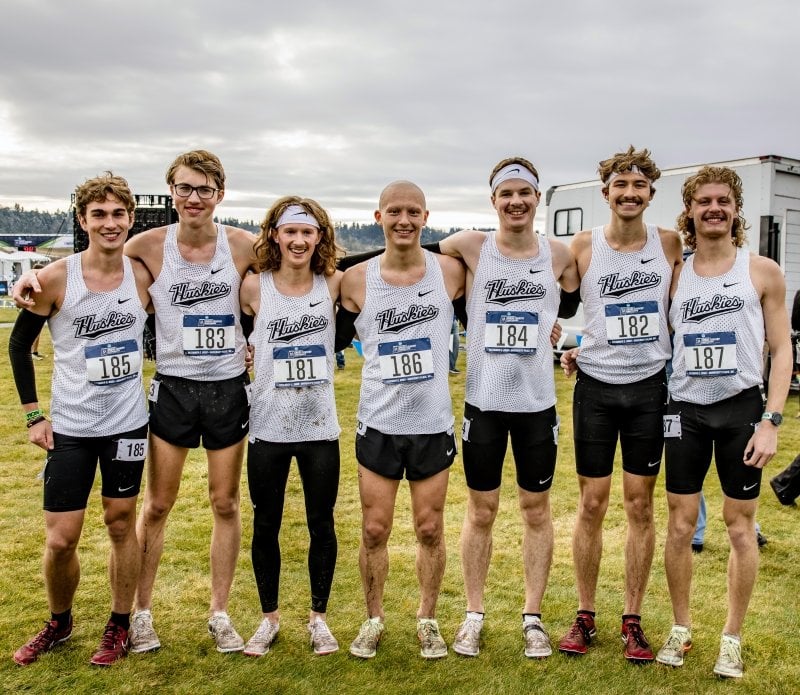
x=537 y=641
x=678 y=643
x=262 y=639
x=365 y=645
x=432 y=645
x=142 y=635
x=224 y=633
x=468 y=638
x=729 y=662
x=322 y=639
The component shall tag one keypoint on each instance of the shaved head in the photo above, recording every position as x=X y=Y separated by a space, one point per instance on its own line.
x=403 y=187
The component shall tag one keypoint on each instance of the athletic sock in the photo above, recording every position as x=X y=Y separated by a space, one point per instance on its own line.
x=529 y=617
x=475 y=615
x=62 y=619
x=122 y=620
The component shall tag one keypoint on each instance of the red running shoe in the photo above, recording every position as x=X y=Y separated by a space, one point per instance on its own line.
x=50 y=636
x=113 y=646
x=579 y=637
x=637 y=648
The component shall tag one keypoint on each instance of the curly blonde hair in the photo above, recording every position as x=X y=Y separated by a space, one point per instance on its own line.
x=268 y=253
x=624 y=161
x=97 y=189
x=709 y=174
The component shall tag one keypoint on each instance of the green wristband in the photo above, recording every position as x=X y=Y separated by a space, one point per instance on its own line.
x=33 y=414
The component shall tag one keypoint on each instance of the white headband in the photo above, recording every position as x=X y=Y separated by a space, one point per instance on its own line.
x=296 y=214
x=633 y=170
x=514 y=171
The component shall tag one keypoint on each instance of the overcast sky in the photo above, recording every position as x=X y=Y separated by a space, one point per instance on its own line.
x=333 y=100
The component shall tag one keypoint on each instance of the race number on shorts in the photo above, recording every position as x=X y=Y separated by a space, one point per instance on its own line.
x=710 y=354
x=112 y=363
x=209 y=335
x=672 y=425
x=405 y=361
x=511 y=332
x=631 y=322
x=299 y=365
x=131 y=450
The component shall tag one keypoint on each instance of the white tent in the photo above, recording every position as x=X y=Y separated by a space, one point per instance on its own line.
x=12 y=265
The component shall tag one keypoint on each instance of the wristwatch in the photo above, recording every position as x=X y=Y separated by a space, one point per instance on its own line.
x=775 y=418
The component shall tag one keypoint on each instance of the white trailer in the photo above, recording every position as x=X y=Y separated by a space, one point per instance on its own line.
x=771 y=186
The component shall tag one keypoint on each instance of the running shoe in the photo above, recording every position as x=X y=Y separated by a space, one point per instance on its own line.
x=322 y=638
x=142 y=636
x=537 y=641
x=224 y=633
x=365 y=645
x=113 y=646
x=432 y=644
x=468 y=638
x=637 y=648
x=579 y=636
x=729 y=662
x=262 y=639
x=678 y=643
x=50 y=636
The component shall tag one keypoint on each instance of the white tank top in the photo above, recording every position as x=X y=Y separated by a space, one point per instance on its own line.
x=719 y=334
x=292 y=396
x=198 y=329
x=405 y=336
x=625 y=298
x=97 y=371
x=512 y=307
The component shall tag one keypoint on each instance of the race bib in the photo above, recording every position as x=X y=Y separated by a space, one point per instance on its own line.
x=131 y=449
x=404 y=361
x=710 y=354
x=631 y=322
x=672 y=425
x=511 y=331
x=299 y=365
x=209 y=335
x=112 y=363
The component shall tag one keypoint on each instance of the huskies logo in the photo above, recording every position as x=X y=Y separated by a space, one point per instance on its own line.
x=614 y=286
x=189 y=294
x=499 y=292
x=90 y=327
x=695 y=311
x=284 y=331
x=390 y=321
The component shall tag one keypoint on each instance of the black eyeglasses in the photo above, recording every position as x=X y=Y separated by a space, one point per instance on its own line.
x=184 y=190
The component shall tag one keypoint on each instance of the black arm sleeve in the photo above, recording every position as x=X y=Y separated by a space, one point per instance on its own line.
x=460 y=309
x=345 y=328
x=354 y=259
x=247 y=322
x=569 y=303
x=433 y=246
x=26 y=328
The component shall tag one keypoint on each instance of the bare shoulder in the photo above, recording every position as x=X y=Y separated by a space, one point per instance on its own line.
x=559 y=250
x=354 y=276
x=53 y=281
x=581 y=242
x=464 y=242
x=146 y=243
x=334 y=284
x=672 y=243
x=53 y=273
x=450 y=266
x=241 y=242
x=766 y=274
x=141 y=273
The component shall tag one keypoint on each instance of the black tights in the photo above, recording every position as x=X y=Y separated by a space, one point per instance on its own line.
x=268 y=470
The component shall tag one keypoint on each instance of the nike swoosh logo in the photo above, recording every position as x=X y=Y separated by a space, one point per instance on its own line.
x=125 y=489
x=654 y=464
x=729 y=284
x=647 y=260
x=749 y=487
x=245 y=424
x=449 y=451
x=533 y=272
x=313 y=304
x=122 y=301
x=422 y=294
x=214 y=272
x=542 y=482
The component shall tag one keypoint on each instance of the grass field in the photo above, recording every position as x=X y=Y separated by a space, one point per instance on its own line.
x=188 y=662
